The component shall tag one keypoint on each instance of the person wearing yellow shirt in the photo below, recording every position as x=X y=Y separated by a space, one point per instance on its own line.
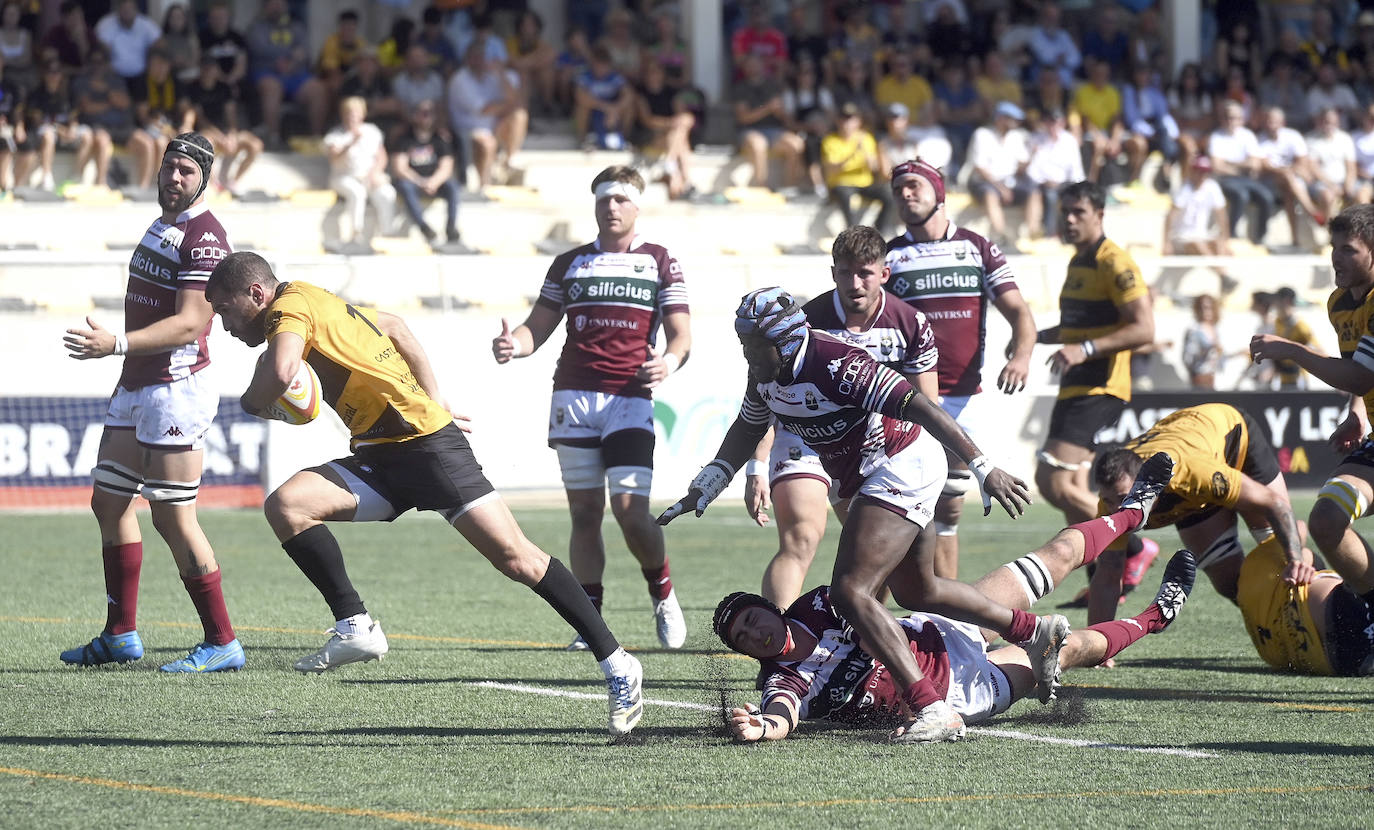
x=1098 y=104
x=341 y=49
x=851 y=164
x=899 y=85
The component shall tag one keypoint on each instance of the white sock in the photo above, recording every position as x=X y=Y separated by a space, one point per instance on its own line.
x=617 y=663
x=356 y=624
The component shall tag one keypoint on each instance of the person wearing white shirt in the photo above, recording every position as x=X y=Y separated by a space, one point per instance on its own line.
x=998 y=156
x=357 y=167
x=1235 y=155
x=1284 y=168
x=128 y=35
x=1056 y=158
x=486 y=107
x=1333 y=163
x=1197 y=224
x=1364 y=156
x=1050 y=45
x=1329 y=91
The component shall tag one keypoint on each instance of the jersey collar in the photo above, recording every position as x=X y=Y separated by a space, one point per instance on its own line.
x=950 y=228
x=634 y=243
x=842 y=315
x=191 y=212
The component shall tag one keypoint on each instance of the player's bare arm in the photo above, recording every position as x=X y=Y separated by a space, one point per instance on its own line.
x=526 y=338
x=773 y=724
x=757 y=491
x=1337 y=372
x=677 y=329
x=738 y=445
x=276 y=368
x=1137 y=329
x=1013 y=307
x=996 y=484
x=1258 y=502
x=192 y=315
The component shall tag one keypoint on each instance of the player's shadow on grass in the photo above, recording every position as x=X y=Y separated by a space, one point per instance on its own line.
x=1289 y=748
x=640 y=735
x=1228 y=665
x=1270 y=695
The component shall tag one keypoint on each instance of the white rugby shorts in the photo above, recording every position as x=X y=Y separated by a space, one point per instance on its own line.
x=581 y=417
x=971 y=412
x=977 y=688
x=911 y=481
x=791 y=458
x=166 y=416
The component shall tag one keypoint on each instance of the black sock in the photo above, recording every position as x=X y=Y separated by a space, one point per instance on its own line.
x=316 y=552
x=1368 y=599
x=1133 y=544
x=560 y=590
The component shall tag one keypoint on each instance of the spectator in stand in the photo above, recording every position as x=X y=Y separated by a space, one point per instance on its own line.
x=1145 y=111
x=1049 y=95
x=895 y=144
x=668 y=48
x=957 y=107
x=366 y=81
x=486 y=105
x=853 y=167
x=280 y=67
x=932 y=142
x=418 y=82
x=603 y=103
x=855 y=86
x=50 y=124
x=762 y=123
x=1361 y=52
x=1284 y=169
x=422 y=166
x=804 y=40
x=1098 y=103
x=128 y=35
x=587 y=15
x=663 y=130
x=999 y=155
x=1056 y=159
x=1235 y=155
x=627 y=56
x=357 y=169
x=1322 y=46
x=1107 y=43
x=1331 y=152
x=340 y=50
x=534 y=59
x=443 y=58
x=14 y=139
x=1364 y=156
x=900 y=85
x=391 y=53
x=1288 y=325
x=949 y=36
x=1191 y=105
x=102 y=107
x=1239 y=49
x=573 y=61
x=1052 y=47
x=1329 y=91
x=899 y=33
x=810 y=113
x=1282 y=89
x=230 y=51
x=857 y=39
x=1147 y=42
x=1203 y=354
x=995 y=85
x=215 y=115
x=1289 y=47
x=16 y=46
x=761 y=39
x=70 y=37
x=1197 y=223
x=156 y=104
x=181 y=44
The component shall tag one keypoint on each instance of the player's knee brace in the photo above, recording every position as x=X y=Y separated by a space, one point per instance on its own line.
x=117 y=479
x=957 y=483
x=1033 y=576
x=581 y=466
x=1345 y=496
x=171 y=492
x=1225 y=546
x=946 y=528
x=633 y=480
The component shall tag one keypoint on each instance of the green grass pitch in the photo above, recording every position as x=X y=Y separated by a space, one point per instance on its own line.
x=415 y=740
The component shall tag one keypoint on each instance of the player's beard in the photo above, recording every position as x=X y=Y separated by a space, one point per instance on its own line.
x=175 y=204
x=256 y=331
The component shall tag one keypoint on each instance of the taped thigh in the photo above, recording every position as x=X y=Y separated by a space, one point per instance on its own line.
x=633 y=480
x=1345 y=496
x=1223 y=547
x=113 y=477
x=372 y=506
x=581 y=467
x=1032 y=575
x=171 y=492
x=1071 y=466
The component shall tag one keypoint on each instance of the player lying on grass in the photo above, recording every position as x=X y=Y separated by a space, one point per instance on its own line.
x=819 y=669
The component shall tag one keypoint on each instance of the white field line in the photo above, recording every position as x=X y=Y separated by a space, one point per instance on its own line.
x=980 y=730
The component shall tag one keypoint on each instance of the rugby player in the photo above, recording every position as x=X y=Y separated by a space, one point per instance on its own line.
x=880 y=440
x=407 y=453
x=791 y=478
x=158 y=416
x=818 y=669
x=615 y=291
x=951 y=274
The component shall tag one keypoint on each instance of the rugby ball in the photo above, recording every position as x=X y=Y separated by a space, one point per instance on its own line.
x=300 y=403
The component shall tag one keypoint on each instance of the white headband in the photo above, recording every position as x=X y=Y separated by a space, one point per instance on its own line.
x=614 y=188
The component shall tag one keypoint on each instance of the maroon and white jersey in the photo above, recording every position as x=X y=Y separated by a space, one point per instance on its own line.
x=952 y=281
x=614 y=304
x=844 y=404
x=900 y=337
x=839 y=680
x=170 y=258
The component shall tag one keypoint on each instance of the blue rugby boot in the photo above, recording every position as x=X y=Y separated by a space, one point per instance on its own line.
x=107 y=648
x=207 y=657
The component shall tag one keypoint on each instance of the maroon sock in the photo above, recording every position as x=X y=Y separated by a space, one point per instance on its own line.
x=1099 y=533
x=122 y=565
x=209 y=601
x=594 y=592
x=660 y=582
x=1121 y=633
x=920 y=694
x=1021 y=628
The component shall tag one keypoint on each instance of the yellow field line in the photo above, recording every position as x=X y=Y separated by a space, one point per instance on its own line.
x=902 y=800
x=402 y=816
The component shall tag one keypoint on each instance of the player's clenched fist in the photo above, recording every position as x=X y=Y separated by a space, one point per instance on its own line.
x=504 y=346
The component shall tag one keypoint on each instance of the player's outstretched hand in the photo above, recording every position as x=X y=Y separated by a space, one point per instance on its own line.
x=708 y=484
x=1013 y=376
x=745 y=725
x=88 y=343
x=757 y=501
x=1299 y=573
x=504 y=345
x=1009 y=491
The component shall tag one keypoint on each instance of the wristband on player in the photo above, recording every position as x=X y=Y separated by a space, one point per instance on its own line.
x=121 y=345
x=755 y=467
x=671 y=361
x=1088 y=349
x=981 y=467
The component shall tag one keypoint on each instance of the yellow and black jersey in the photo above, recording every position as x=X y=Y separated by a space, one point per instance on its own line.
x=362 y=375
x=1099 y=282
x=1277 y=615
x=1209 y=444
x=1353 y=320
x=1297 y=330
